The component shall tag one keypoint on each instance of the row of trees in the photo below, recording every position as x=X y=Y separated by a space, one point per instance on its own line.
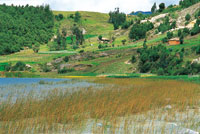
x=22 y=26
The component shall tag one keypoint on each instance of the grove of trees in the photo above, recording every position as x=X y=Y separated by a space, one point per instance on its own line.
x=24 y=26
x=163 y=61
x=117 y=18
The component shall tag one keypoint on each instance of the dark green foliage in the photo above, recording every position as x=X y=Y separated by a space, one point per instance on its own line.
x=127 y=24
x=181 y=39
x=196 y=49
x=169 y=35
x=138 y=31
x=71 y=16
x=65 y=70
x=124 y=42
x=161 y=7
x=59 y=17
x=173 y=25
x=154 y=7
x=23 y=26
x=163 y=61
x=8 y=67
x=117 y=18
x=100 y=37
x=78 y=34
x=77 y=17
x=186 y=31
x=165 y=26
x=45 y=68
x=196 y=29
x=133 y=59
x=100 y=46
x=19 y=66
x=187 y=17
x=187 y=3
x=36 y=47
x=66 y=59
x=179 y=32
x=165 y=40
x=60 y=42
x=81 y=51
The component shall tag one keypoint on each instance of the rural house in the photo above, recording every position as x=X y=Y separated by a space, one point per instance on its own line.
x=174 y=41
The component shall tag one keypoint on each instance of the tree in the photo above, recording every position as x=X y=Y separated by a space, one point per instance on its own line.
x=138 y=31
x=79 y=35
x=100 y=37
x=161 y=7
x=64 y=32
x=36 y=47
x=77 y=17
x=124 y=41
x=133 y=59
x=182 y=39
x=196 y=29
x=169 y=35
x=24 y=26
x=117 y=18
x=154 y=7
x=187 y=17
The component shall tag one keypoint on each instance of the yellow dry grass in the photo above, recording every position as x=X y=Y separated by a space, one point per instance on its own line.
x=118 y=98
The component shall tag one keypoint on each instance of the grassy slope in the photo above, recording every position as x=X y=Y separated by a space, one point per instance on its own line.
x=96 y=24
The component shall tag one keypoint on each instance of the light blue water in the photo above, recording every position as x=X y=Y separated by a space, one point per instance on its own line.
x=39 y=86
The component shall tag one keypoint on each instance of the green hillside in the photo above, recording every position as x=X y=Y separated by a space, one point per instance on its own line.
x=96 y=57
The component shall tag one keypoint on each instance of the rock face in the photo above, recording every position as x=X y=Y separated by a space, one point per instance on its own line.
x=196 y=60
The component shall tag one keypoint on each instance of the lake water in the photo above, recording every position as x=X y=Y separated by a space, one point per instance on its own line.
x=21 y=86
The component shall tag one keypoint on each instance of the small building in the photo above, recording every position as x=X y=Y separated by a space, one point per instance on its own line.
x=174 y=41
x=105 y=39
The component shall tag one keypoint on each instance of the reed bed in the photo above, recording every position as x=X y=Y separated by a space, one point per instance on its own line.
x=119 y=101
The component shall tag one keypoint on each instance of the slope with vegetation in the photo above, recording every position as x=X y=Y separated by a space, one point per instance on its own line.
x=96 y=43
x=24 y=26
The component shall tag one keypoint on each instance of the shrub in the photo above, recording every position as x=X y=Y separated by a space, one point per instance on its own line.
x=100 y=37
x=124 y=41
x=195 y=30
x=133 y=59
x=187 y=17
x=45 y=68
x=66 y=58
x=65 y=70
x=169 y=35
x=19 y=66
x=165 y=40
x=8 y=67
x=81 y=51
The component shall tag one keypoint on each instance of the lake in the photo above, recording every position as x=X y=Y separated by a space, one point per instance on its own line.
x=22 y=86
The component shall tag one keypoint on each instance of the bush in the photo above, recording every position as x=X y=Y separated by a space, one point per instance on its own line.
x=81 y=51
x=65 y=70
x=165 y=40
x=8 y=67
x=100 y=37
x=195 y=30
x=45 y=68
x=169 y=35
x=19 y=66
x=187 y=17
x=133 y=59
x=66 y=59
